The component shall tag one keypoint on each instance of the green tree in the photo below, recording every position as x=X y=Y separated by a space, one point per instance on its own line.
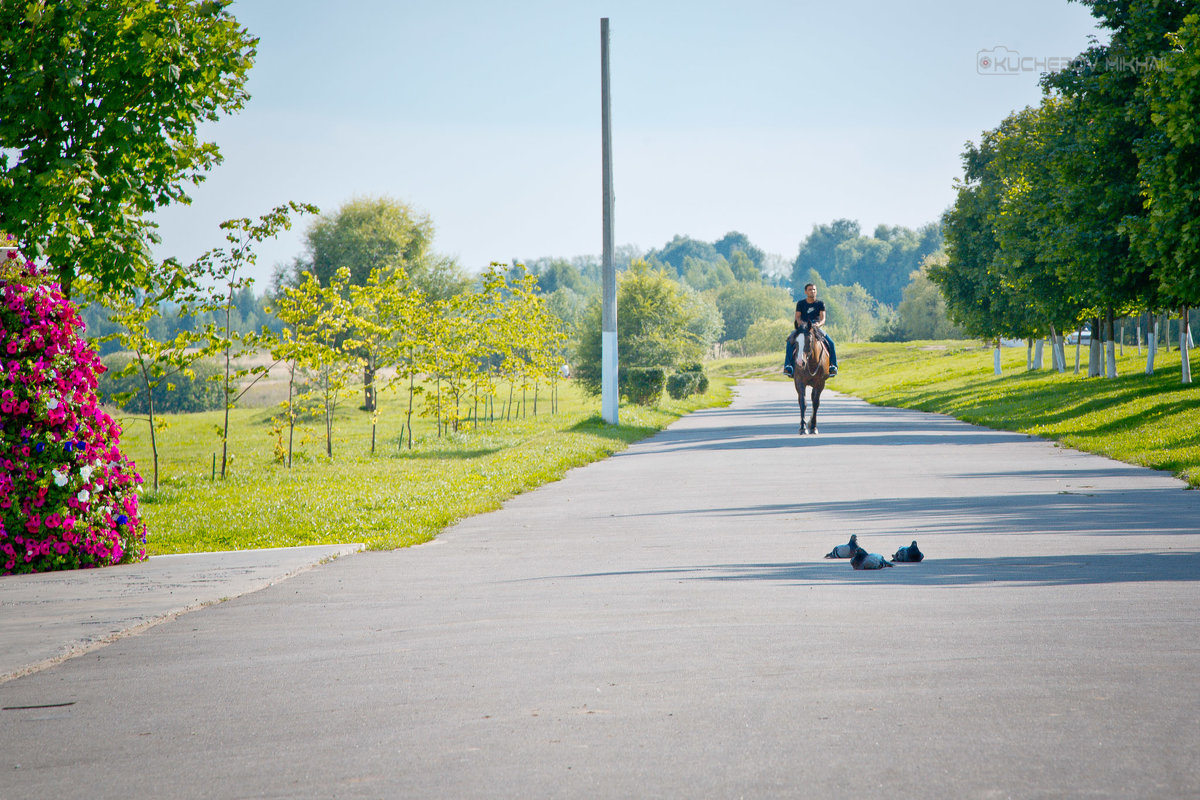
x=652 y=326
x=675 y=253
x=223 y=268
x=734 y=242
x=1106 y=117
x=852 y=314
x=157 y=361
x=100 y=109
x=922 y=310
x=818 y=251
x=743 y=304
x=377 y=234
x=1168 y=237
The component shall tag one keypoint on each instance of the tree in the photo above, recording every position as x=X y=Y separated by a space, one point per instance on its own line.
x=157 y=361
x=675 y=252
x=222 y=268
x=852 y=314
x=1106 y=116
x=100 y=106
x=377 y=234
x=922 y=310
x=734 y=242
x=743 y=304
x=652 y=326
x=817 y=251
x=1169 y=169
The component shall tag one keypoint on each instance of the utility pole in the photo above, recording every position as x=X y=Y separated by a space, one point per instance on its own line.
x=608 y=275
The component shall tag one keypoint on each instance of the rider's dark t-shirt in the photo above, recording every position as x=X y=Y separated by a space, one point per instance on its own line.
x=810 y=312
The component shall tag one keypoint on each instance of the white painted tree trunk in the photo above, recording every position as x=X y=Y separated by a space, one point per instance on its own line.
x=1185 y=345
x=1078 y=345
x=1058 y=358
x=996 y=358
x=1151 y=347
x=1110 y=352
x=1037 y=354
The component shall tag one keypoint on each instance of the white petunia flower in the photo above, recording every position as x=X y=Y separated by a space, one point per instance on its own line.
x=59 y=478
x=83 y=496
x=85 y=472
x=52 y=404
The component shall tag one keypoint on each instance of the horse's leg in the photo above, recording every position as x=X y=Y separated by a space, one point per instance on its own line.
x=816 y=398
x=803 y=409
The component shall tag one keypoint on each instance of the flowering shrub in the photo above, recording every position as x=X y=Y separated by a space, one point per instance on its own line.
x=67 y=495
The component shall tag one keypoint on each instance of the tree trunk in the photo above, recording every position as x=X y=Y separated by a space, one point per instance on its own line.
x=1057 y=356
x=412 y=382
x=369 y=382
x=291 y=411
x=1184 y=345
x=1095 y=351
x=1078 y=345
x=1110 y=345
x=996 y=357
x=1151 y=342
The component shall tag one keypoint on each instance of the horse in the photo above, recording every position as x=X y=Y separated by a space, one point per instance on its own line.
x=810 y=368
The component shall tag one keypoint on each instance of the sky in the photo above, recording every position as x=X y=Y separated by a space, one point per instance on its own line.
x=760 y=116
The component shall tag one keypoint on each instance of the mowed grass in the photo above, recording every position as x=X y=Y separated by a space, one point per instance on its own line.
x=1150 y=420
x=398 y=496
x=391 y=498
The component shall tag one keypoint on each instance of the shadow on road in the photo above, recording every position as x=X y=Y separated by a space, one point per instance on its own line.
x=1069 y=570
x=1078 y=511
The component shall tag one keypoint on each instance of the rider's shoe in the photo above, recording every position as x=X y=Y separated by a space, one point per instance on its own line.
x=833 y=370
x=787 y=370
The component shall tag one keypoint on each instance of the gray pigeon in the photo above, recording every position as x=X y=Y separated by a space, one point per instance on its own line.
x=844 y=550
x=864 y=560
x=910 y=554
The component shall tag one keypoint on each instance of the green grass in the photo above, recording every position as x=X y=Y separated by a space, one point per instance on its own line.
x=393 y=498
x=399 y=496
x=1150 y=420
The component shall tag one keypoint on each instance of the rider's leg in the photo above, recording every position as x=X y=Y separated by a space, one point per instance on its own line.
x=789 y=356
x=832 y=354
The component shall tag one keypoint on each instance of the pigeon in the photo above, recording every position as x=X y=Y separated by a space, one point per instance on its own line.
x=910 y=553
x=845 y=550
x=864 y=560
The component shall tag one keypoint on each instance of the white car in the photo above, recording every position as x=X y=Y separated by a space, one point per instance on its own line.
x=1082 y=336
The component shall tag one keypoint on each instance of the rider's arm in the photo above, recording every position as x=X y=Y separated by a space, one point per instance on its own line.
x=799 y=318
x=821 y=319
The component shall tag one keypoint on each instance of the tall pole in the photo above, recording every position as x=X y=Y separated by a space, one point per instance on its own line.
x=609 y=396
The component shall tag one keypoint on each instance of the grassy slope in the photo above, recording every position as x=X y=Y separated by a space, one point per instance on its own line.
x=1151 y=420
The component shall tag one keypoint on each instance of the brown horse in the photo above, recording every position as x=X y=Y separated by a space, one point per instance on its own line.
x=811 y=368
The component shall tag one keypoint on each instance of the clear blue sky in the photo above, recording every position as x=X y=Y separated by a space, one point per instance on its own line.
x=761 y=116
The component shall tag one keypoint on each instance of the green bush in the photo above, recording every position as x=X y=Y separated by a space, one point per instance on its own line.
x=681 y=385
x=642 y=385
x=177 y=394
x=689 y=380
x=697 y=369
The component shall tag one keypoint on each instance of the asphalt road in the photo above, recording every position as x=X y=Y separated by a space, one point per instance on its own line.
x=663 y=624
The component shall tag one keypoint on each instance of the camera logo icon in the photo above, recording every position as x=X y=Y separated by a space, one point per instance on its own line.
x=998 y=60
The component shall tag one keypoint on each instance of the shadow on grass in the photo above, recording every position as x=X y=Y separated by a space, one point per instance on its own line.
x=1059 y=570
x=596 y=426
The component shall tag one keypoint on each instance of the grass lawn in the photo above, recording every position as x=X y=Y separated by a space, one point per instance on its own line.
x=1151 y=420
x=392 y=498
x=399 y=496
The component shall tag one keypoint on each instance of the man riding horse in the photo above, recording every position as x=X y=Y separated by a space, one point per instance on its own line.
x=812 y=311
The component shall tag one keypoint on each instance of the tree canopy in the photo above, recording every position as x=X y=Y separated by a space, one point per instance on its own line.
x=100 y=106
